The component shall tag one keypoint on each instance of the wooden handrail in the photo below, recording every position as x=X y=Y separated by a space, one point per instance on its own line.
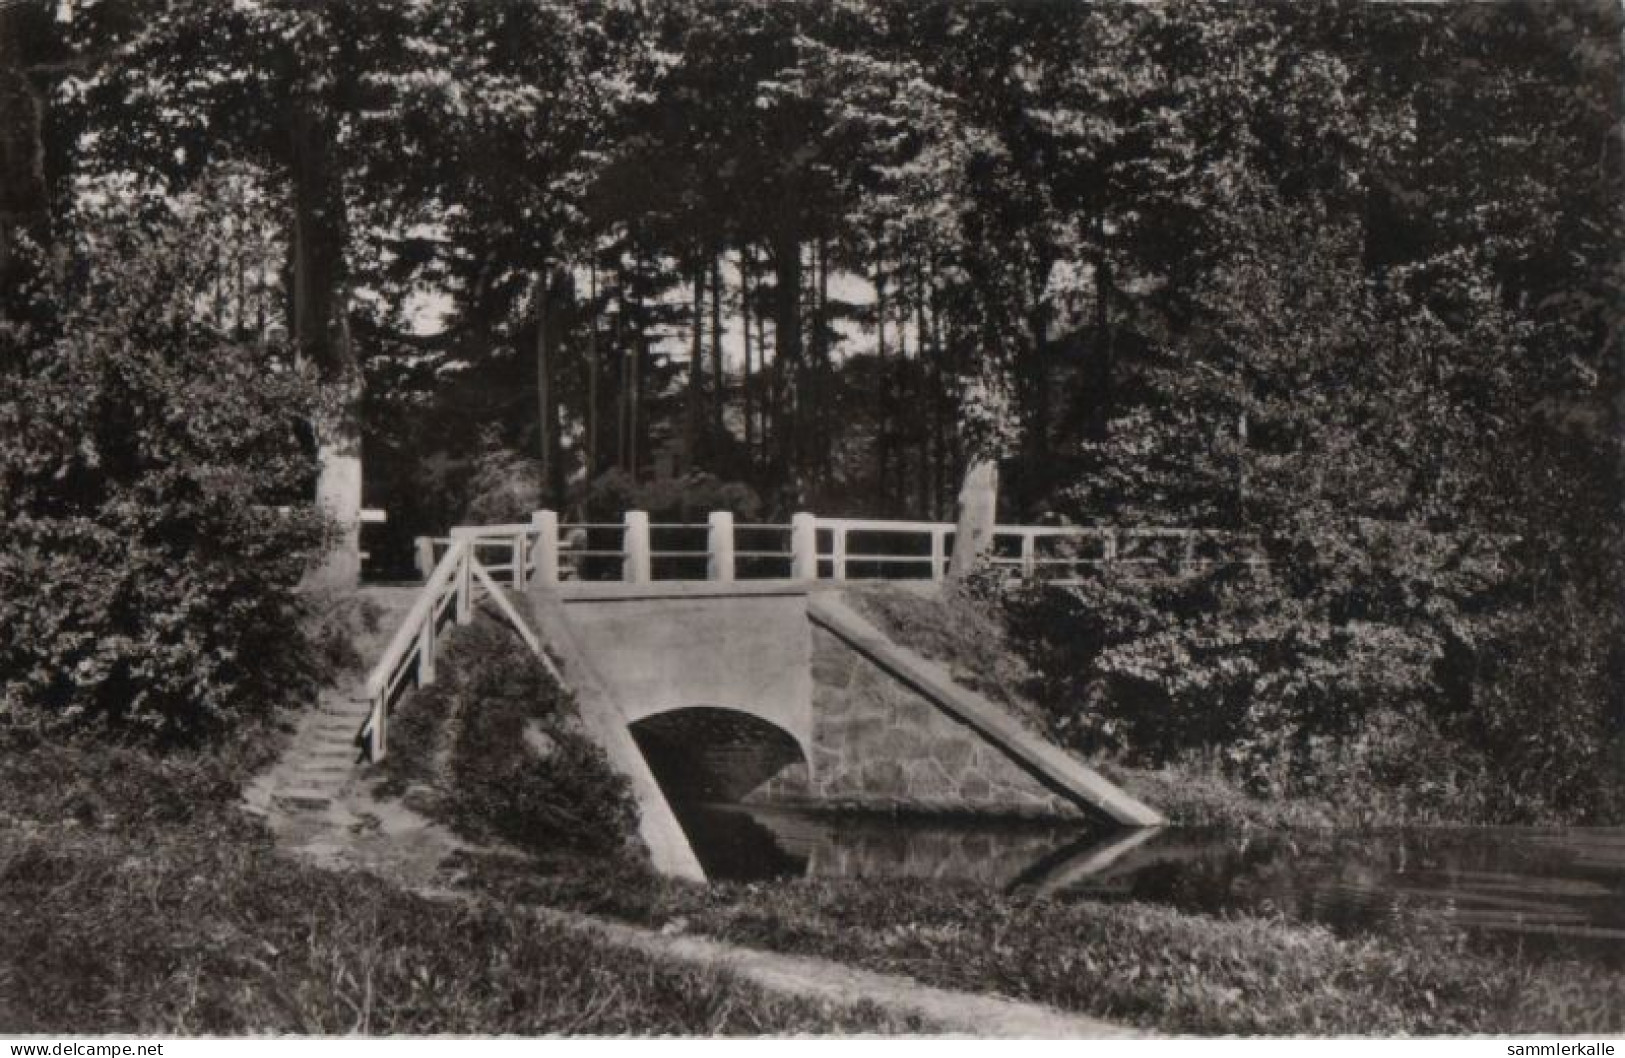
x=416 y=635
x=454 y=579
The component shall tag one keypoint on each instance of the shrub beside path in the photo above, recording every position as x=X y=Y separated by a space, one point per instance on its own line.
x=330 y=816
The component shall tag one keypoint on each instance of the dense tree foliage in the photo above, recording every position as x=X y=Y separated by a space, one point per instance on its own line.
x=155 y=487
x=1342 y=277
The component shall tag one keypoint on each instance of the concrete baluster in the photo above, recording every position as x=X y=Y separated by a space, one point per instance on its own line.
x=803 y=546
x=636 y=563
x=1109 y=544
x=1029 y=557
x=720 y=547
x=517 y=577
x=838 y=552
x=425 y=555
x=380 y=727
x=546 y=551
x=426 y=651
x=939 y=553
x=464 y=578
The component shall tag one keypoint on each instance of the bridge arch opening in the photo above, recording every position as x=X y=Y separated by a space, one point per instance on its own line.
x=707 y=761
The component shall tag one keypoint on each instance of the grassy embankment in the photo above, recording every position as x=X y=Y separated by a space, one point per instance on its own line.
x=136 y=898
x=1133 y=963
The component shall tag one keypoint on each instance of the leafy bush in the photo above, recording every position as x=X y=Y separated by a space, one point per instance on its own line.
x=1380 y=689
x=148 y=577
x=686 y=499
x=504 y=486
x=500 y=742
x=332 y=624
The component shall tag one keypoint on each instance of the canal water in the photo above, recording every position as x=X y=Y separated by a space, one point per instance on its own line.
x=1530 y=891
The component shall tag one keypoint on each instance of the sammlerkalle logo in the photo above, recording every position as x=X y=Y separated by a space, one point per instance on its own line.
x=1582 y=1050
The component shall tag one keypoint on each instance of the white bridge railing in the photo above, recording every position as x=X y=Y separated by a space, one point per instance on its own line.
x=476 y=562
x=545 y=551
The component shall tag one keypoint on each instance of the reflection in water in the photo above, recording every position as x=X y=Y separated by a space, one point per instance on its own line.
x=749 y=843
x=1523 y=890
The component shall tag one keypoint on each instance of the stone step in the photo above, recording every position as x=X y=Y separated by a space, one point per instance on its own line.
x=336 y=722
x=325 y=760
x=323 y=768
x=326 y=747
x=345 y=706
x=316 y=782
x=339 y=757
x=334 y=744
x=303 y=797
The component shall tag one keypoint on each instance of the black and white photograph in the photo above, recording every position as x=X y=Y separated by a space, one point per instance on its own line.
x=676 y=519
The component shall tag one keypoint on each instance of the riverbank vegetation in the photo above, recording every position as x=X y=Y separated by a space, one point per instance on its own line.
x=137 y=897
x=1132 y=963
x=494 y=749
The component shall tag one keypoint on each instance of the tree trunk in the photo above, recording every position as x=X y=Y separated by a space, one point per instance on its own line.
x=1105 y=368
x=924 y=503
x=592 y=371
x=547 y=399
x=946 y=431
x=787 y=359
x=24 y=190
x=719 y=373
x=978 y=516
x=823 y=395
x=764 y=429
x=623 y=391
x=322 y=338
x=694 y=426
x=883 y=409
x=1035 y=461
x=746 y=383
x=639 y=365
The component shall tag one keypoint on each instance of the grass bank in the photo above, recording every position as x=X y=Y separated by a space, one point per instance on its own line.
x=136 y=898
x=1134 y=964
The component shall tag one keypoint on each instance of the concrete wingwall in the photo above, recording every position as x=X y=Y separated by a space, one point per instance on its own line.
x=879 y=744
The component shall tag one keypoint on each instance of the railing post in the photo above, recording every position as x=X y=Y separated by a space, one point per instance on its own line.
x=424 y=546
x=635 y=563
x=939 y=553
x=803 y=546
x=1187 y=561
x=1109 y=542
x=546 y=551
x=380 y=726
x=837 y=563
x=464 y=576
x=1029 y=557
x=517 y=575
x=719 y=546
x=426 y=651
